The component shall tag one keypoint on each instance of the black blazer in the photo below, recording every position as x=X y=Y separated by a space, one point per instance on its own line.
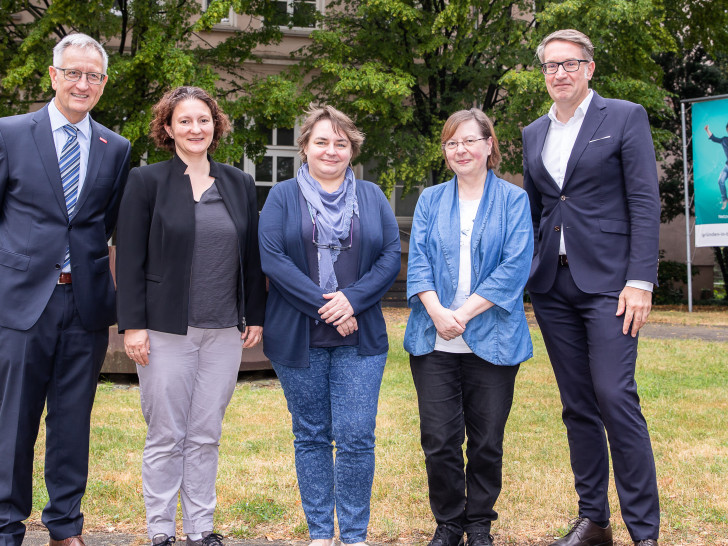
x=35 y=227
x=155 y=241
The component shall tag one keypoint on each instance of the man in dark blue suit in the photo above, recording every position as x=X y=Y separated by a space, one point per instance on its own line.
x=590 y=173
x=61 y=179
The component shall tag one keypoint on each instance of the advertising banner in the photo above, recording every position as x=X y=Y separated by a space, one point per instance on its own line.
x=710 y=172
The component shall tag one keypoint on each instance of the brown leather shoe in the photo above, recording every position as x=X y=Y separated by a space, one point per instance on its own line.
x=586 y=533
x=70 y=541
x=648 y=542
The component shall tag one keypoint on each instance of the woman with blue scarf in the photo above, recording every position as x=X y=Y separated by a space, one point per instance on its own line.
x=469 y=258
x=329 y=245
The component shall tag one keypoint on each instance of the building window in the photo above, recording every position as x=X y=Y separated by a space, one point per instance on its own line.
x=225 y=21
x=297 y=13
x=404 y=207
x=280 y=162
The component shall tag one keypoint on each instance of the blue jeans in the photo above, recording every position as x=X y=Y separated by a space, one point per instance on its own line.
x=721 y=183
x=334 y=400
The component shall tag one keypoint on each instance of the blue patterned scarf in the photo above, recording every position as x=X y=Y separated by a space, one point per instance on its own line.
x=332 y=213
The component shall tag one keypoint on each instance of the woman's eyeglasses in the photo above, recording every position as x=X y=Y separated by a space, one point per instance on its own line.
x=331 y=247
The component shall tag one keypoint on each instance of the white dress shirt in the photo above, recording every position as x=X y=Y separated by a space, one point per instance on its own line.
x=58 y=120
x=560 y=140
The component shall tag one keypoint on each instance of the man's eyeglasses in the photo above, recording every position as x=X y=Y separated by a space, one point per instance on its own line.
x=331 y=247
x=73 y=75
x=568 y=66
x=468 y=143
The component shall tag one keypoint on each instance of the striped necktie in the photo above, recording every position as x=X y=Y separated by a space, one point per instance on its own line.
x=70 y=165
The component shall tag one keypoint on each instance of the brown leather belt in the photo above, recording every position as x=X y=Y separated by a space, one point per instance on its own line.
x=65 y=278
x=563 y=261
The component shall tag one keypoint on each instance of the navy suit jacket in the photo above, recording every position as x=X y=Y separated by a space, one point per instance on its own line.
x=609 y=205
x=35 y=227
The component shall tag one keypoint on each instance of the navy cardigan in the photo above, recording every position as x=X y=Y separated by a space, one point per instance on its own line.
x=294 y=297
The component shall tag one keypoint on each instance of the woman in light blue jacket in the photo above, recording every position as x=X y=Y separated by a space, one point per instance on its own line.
x=469 y=258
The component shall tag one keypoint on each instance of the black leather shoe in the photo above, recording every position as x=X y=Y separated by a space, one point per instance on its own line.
x=648 y=542
x=586 y=533
x=446 y=536
x=479 y=539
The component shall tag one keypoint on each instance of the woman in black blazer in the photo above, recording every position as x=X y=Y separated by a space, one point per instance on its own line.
x=190 y=294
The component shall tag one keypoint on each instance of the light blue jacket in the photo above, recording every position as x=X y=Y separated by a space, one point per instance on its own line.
x=501 y=250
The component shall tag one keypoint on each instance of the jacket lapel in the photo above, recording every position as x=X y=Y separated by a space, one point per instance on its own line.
x=592 y=120
x=96 y=151
x=481 y=219
x=448 y=230
x=541 y=131
x=46 y=149
x=239 y=214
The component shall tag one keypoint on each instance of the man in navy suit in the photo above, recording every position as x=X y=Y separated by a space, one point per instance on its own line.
x=590 y=173
x=61 y=179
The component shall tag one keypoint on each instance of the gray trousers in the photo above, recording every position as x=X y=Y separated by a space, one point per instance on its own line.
x=185 y=390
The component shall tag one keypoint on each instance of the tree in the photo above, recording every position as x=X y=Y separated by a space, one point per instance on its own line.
x=401 y=67
x=698 y=67
x=153 y=45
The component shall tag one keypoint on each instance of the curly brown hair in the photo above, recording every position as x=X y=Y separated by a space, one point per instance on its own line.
x=164 y=110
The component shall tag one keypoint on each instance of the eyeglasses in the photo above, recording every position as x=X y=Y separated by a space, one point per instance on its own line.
x=468 y=143
x=568 y=66
x=73 y=75
x=331 y=247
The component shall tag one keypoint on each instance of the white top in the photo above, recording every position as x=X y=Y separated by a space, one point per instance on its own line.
x=468 y=210
x=557 y=148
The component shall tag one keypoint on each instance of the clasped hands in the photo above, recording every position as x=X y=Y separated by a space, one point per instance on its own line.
x=339 y=312
x=449 y=324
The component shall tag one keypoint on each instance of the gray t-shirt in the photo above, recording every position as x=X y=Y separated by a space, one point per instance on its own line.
x=215 y=265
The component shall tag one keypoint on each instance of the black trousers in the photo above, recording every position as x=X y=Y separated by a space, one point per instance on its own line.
x=57 y=362
x=462 y=395
x=594 y=364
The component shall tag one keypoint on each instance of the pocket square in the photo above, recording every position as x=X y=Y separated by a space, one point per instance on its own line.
x=602 y=138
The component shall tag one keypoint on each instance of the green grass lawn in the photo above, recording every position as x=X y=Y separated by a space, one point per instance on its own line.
x=684 y=390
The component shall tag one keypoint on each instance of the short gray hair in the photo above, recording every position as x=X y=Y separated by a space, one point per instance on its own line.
x=81 y=41
x=568 y=35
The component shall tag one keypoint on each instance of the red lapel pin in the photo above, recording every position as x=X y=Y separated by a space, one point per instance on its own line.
x=103 y=140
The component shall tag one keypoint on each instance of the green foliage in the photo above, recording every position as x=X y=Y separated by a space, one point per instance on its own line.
x=626 y=35
x=669 y=274
x=401 y=67
x=153 y=45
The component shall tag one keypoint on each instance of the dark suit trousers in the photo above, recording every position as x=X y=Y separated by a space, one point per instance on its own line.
x=461 y=394
x=594 y=364
x=56 y=361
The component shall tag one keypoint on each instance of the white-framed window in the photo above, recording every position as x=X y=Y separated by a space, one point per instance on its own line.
x=280 y=162
x=302 y=13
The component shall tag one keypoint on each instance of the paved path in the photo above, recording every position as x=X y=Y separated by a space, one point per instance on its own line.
x=660 y=330
x=677 y=331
